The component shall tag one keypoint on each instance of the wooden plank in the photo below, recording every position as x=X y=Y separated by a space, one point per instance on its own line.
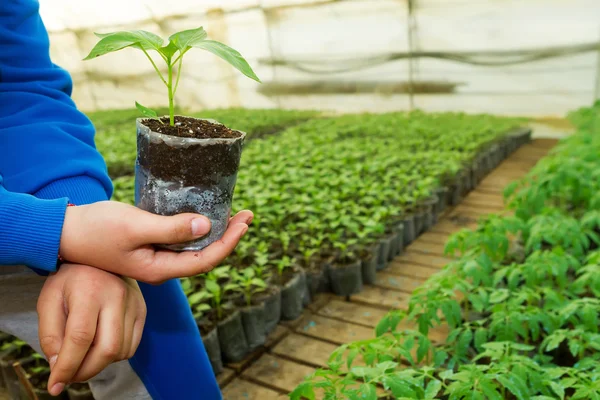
x=305 y=349
x=411 y=270
x=426 y=247
x=434 y=237
x=241 y=389
x=319 y=301
x=225 y=377
x=275 y=337
x=429 y=260
x=474 y=211
x=352 y=312
x=450 y=226
x=334 y=331
x=395 y=282
x=277 y=373
x=381 y=297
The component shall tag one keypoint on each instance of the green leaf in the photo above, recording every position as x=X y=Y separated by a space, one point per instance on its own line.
x=351 y=356
x=233 y=57
x=433 y=389
x=490 y=390
x=558 y=389
x=115 y=41
x=481 y=336
x=499 y=296
x=189 y=38
x=303 y=390
x=146 y=112
x=212 y=286
x=368 y=392
x=399 y=387
x=515 y=385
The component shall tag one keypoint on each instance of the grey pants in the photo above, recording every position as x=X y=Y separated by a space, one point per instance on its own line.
x=19 y=291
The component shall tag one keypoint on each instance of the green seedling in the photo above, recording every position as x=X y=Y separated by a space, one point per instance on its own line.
x=172 y=55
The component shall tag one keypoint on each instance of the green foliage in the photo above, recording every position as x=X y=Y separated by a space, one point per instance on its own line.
x=172 y=54
x=520 y=305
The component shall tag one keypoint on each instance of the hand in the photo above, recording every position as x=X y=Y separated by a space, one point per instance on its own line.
x=119 y=238
x=88 y=318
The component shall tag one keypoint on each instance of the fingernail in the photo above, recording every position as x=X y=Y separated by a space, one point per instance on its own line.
x=200 y=226
x=244 y=230
x=52 y=360
x=249 y=220
x=57 y=389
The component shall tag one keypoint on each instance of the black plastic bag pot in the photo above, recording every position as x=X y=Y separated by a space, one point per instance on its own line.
x=81 y=391
x=179 y=174
x=409 y=229
x=314 y=277
x=346 y=280
x=399 y=242
x=253 y=320
x=384 y=251
x=292 y=294
x=232 y=338
x=325 y=283
x=271 y=300
x=430 y=213
x=213 y=349
x=369 y=265
x=441 y=194
x=455 y=191
x=419 y=221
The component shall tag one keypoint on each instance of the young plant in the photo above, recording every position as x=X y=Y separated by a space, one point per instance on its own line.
x=172 y=54
x=247 y=283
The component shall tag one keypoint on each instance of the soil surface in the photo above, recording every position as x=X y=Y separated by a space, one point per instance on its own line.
x=195 y=165
x=190 y=128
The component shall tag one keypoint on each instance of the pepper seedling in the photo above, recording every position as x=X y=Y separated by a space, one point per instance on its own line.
x=172 y=54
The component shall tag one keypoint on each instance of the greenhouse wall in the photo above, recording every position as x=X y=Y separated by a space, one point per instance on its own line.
x=335 y=55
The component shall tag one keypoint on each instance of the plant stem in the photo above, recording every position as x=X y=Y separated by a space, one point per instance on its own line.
x=170 y=89
x=155 y=67
x=178 y=75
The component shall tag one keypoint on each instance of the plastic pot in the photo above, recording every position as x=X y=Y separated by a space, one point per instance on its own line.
x=369 y=265
x=292 y=293
x=384 y=251
x=271 y=300
x=253 y=320
x=430 y=215
x=232 y=338
x=419 y=221
x=314 y=277
x=346 y=280
x=441 y=194
x=82 y=391
x=325 y=283
x=399 y=245
x=409 y=229
x=213 y=349
x=178 y=174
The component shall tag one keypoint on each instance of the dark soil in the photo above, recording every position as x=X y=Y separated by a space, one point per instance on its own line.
x=287 y=276
x=194 y=165
x=191 y=128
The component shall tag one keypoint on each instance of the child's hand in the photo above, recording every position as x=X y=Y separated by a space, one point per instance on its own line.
x=88 y=318
x=118 y=238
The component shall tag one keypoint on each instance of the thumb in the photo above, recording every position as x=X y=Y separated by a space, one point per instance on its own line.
x=51 y=322
x=151 y=228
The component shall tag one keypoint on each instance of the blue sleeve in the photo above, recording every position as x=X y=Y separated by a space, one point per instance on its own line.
x=30 y=229
x=46 y=145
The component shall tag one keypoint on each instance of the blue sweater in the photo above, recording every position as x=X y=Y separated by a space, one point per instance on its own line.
x=48 y=158
x=47 y=151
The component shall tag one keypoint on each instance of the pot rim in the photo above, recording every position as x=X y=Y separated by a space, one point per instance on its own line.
x=186 y=141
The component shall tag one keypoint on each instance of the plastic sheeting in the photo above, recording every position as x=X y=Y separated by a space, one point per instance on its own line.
x=320 y=32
